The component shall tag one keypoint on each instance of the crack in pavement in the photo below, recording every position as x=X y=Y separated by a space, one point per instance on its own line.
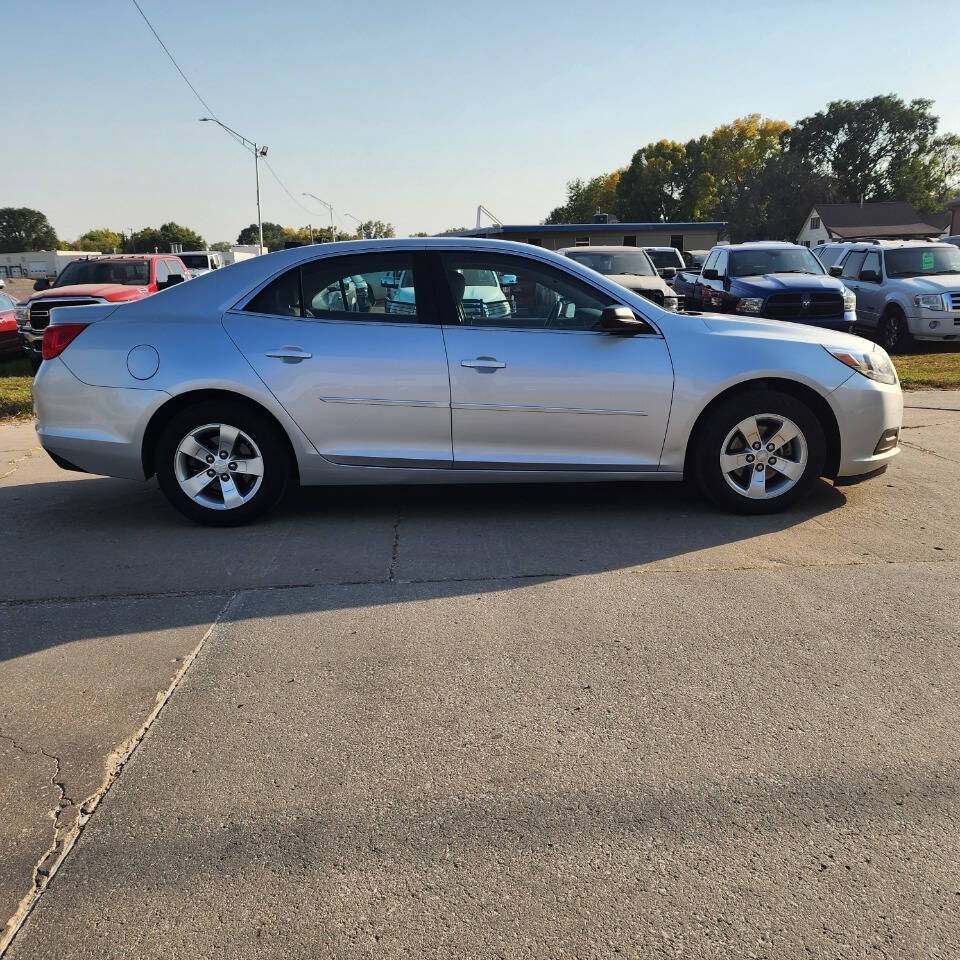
x=474 y=578
x=392 y=572
x=54 y=858
x=15 y=463
x=932 y=453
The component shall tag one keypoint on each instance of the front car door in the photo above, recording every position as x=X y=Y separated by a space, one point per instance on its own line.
x=870 y=292
x=850 y=275
x=534 y=383
x=368 y=388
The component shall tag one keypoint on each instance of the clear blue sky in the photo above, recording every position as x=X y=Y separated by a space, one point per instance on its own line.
x=415 y=112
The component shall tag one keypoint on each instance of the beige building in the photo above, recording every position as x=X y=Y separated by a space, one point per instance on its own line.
x=39 y=263
x=683 y=236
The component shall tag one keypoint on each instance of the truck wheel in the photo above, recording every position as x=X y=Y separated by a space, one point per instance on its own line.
x=222 y=463
x=758 y=452
x=895 y=336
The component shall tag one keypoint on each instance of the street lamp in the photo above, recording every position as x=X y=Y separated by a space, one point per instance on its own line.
x=327 y=205
x=258 y=152
x=359 y=222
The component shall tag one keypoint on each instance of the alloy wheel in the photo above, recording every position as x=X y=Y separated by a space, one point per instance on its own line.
x=218 y=466
x=763 y=456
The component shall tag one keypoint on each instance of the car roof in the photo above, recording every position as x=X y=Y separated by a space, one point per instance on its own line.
x=648 y=246
x=762 y=244
x=597 y=248
x=896 y=244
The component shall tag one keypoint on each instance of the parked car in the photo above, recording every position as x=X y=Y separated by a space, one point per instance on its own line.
x=631 y=268
x=829 y=253
x=667 y=260
x=955 y=240
x=693 y=259
x=906 y=290
x=779 y=281
x=11 y=344
x=233 y=389
x=95 y=280
x=199 y=262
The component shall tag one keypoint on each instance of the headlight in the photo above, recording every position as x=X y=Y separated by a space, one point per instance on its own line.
x=929 y=301
x=750 y=305
x=21 y=314
x=874 y=363
x=670 y=303
x=849 y=300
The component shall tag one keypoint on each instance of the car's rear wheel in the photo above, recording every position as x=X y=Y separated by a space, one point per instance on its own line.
x=222 y=464
x=759 y=452
x=895 y=335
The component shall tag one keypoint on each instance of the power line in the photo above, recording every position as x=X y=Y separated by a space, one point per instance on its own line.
x=210 y=109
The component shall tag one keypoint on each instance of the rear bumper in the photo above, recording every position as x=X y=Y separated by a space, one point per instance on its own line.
x=865 y=409
x=94 y=429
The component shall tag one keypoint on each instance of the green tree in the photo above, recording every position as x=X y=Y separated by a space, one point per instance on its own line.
x=586 y=198
x=653 y=185
x=880 y=149
x=221 y=246
x=420 y=233
x=100 y=239
x=273 y=235
x=375 y=229
x=24 y=229
x=160 y=238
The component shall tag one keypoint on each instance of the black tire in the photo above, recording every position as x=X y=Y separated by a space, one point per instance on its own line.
x=258 y=426
x=709 y=438
x=895 y=336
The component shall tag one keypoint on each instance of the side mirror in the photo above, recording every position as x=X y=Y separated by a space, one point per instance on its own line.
x=668 y=273
x=710 y=274
x=870 y=276
x=620 y=320
x=42 y=284
x=508 y=280
x=836 y=270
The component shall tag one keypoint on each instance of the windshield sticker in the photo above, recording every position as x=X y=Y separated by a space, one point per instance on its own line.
x=926 y=260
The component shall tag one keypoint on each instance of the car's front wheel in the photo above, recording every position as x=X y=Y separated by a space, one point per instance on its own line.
x=759 y=452
x=222 y=463
x=895 y=334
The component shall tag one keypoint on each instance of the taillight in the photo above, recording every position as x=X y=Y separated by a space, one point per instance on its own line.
x=57 y=337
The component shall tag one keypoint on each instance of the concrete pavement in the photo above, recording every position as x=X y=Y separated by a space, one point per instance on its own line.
x=486 y=721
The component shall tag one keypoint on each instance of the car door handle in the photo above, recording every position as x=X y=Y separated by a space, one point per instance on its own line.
x=289 y=354
x=483 y=363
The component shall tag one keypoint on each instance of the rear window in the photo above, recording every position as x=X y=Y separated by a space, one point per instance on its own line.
x=134 y=273
x=665 y=258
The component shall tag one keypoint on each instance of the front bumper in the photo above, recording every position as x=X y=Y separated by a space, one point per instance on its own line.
x=94 y=429
x=32 y=342
x=947 y=325
x=865 y=409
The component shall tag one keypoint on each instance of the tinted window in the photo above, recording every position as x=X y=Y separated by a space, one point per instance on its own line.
x=665 y=258
x=758 y=261
x=377 y=287
x=521 y=294
x=871 y=262
x=612 y=264
x=828 y=256
x=851 y=266
x=196 y=261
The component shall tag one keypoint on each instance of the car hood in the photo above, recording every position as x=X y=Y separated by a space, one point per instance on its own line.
x=633 y=281
x=782 y=330
x=939 y=284
x=107 y=291
x=780 y=282
x=486 y=294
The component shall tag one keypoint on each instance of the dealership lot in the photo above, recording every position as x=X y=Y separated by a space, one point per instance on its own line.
x=498 y=721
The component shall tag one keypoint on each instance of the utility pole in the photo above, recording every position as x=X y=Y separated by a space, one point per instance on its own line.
x=328 y=206
x=258 y=152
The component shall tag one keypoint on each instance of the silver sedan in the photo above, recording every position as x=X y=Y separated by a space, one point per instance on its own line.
x=495 y=362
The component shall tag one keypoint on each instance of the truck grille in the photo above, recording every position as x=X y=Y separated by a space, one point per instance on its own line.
x=786 y=306
x=40 y=310
x=955 y=301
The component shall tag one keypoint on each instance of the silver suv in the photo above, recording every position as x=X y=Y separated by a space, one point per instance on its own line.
x=906 y=289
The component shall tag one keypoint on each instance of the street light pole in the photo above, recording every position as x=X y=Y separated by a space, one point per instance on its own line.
x=258 y=152
x=359 y=224
x=328 y=206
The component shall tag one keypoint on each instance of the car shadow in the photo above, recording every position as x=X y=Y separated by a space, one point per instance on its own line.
x=98 y=538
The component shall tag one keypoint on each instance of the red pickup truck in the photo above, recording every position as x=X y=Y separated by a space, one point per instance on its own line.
x=110 y=279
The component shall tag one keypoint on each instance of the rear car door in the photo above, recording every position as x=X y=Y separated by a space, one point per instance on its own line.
x=534 y=383
x=368 y=387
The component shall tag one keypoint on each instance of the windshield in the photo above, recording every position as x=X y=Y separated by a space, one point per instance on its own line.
x=195 y=261
x=130 y=272
x=922 y=261
x=756 y=263
x=6 y=303
x=666 y=258
x=613 y=264
x=479 y=278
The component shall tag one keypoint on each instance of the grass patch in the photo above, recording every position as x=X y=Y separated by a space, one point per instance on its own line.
x=16 y=400
x=938 y=369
